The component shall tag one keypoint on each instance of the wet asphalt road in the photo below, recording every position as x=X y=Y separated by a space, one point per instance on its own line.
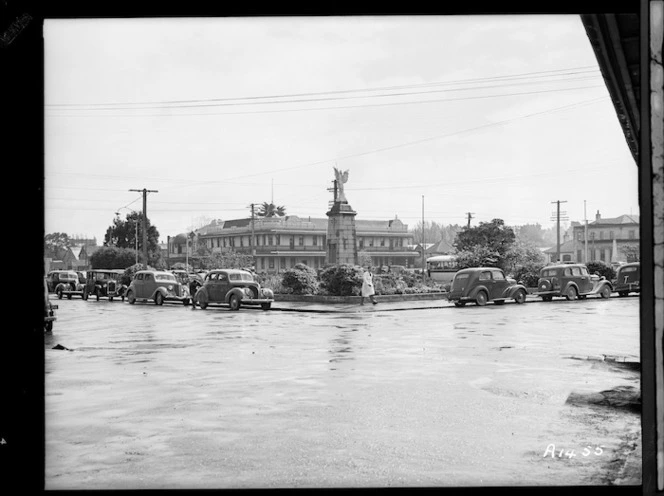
x=153 y=397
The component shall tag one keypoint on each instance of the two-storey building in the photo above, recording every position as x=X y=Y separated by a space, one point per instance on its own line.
x=606 y=238
x=282 y=242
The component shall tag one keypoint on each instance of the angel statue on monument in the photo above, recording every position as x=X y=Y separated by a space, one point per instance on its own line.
x=341 y=177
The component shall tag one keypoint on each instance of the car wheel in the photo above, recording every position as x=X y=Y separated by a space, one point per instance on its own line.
x=480 y=299
x=185 y=302
x=69 y=296
x=606 y=292
x=110 y=298
x=571 y=293
x=97 y=293
x=459 y=303
x=547 y=298
x=159 y=299
x=234 y=302
x=59 y=293
x=266 y=306
x=520 y=296
x=130 y=297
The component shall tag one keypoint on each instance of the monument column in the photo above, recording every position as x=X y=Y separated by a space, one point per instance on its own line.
x=341 y=234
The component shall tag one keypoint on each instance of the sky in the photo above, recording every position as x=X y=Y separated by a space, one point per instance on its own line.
x=433 y=117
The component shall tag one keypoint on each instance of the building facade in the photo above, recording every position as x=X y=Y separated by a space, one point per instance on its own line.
x=282 y=242
x=608 y=239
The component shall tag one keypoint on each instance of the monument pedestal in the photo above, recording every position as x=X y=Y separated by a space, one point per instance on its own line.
x=341 y=235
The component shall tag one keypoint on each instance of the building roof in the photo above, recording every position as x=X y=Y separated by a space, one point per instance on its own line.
x=442 y=247
x=623 y=219
x=566 y=247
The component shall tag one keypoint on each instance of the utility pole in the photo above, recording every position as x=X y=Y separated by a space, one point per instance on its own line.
x=424 y=248
x=145 y=220
x=252 y=243
x=585 y=234
x=557 y=219
x=470 y=216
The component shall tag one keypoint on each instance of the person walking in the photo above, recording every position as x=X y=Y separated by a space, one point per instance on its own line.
x=367 y=286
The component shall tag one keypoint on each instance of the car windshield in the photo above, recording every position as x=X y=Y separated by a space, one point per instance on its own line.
x=165 y=277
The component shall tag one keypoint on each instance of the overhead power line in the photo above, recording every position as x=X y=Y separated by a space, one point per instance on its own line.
x=577 y=71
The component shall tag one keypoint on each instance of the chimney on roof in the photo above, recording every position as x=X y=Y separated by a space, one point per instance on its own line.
x=597 y=216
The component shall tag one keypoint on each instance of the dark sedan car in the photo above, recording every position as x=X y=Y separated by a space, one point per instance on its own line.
x=571 y=281
x=484 y=284
x=233 y=287
x=628 y=279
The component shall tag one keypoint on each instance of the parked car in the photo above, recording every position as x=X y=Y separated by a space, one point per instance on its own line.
x=628 y=279
x=158 y=286
x=55 y=277
x=104 y=283
x=232 y=287
x=70 y=284
x=49 y=314
x=193 y=280
x=571 y=281
x=484 y=284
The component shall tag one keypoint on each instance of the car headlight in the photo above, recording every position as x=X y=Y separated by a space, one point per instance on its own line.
x=170 y=287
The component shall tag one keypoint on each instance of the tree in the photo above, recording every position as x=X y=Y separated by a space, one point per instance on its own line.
x=530 y=233
x=524 y=262
x=490 y=241
x=55 y=242
x=111 y=257
x=271 y=210
x=122 y=234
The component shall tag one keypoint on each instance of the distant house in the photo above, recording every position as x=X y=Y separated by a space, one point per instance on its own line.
x=441 y=248
x=605 y=238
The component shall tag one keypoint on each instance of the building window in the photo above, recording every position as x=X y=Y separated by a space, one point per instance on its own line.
x=632 y=234
x=224 y=240
x=262 y=262
x=579 y=236
x=269 y=242
x=371 y=242
x=301 y=241
x=578 y=255
x=315 y=240
x=291 y=242
x=382 y=241
x=241 y=240
x=271 y=263
x=278 y=236
x=361 y=243
x=258 y=240
x=602 y=255
x=282 y=261
x=601 y=236
x=610 y=234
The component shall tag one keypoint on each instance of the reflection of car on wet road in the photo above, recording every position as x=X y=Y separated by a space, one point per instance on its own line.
x=158 y=286
x=104 y=283
x=484 y=284
x=628 y=279
x=233 y=287
x=70 y=284
x=571 y=281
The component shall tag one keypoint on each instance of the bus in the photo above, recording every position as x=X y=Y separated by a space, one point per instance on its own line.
x=442 y=268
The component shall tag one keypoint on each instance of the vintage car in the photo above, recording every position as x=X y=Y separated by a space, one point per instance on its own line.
x=70 y=284
x=484 y=284
x=158 y=286
x=104 y=283
x=49 y=314
x=571 y=281
x=628 y=279
x=232 y=287
x=192 y=279
x=55 y=277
